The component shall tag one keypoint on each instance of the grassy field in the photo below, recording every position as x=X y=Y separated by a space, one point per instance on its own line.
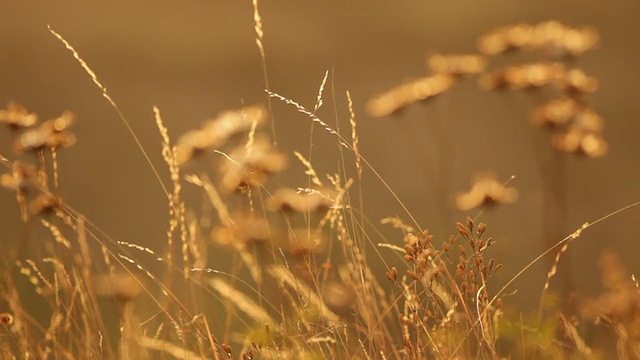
x=254 y=237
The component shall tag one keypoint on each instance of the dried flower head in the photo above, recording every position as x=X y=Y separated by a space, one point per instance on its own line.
x=20 y=177
x=556 y=113
x=576 y=81
x=217 y=131
x=581 y=141
x=408 y=93
x=304 y=241
x=44 y=204
x=287 y=199
x=505 y=38
x=247 y=228
x=527 y=76
x=589 y=120
x=249 y=167
x=557 y=39
x=486 y=190
x=50 y=134
x=120 y=285
x=17 y=116
x=6 y=319
x=550 y=37
x=190 y=145
x=460 y=65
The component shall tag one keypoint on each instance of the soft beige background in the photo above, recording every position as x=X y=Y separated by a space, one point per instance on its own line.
x=196 y=58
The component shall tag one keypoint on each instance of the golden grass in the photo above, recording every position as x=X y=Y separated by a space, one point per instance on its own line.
x=300 y=282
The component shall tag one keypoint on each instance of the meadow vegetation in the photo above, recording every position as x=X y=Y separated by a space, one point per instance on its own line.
x=301 y=284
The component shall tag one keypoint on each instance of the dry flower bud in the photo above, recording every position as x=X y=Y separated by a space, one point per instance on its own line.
x=470 y=224
x=413 y=275
x=392 y=274
x=408 y=249
x=482 y=228
x=6 y=319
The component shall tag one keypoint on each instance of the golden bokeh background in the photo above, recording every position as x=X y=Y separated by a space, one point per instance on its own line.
x=194 y=59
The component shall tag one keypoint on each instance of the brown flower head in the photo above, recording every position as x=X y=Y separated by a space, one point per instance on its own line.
x=249 y=167
x=486 y=190
x=408 y=93
x=20 y=177
x=45 y=204
x=217 y=131
x=556 y=113
x=576 y=81
x=550 y=37
x=17 y=116
x=521 y=77
x=247 y=228
x=578 y=140
x=50 y=134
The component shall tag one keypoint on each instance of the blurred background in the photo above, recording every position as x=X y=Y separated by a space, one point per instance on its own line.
x=194 y=59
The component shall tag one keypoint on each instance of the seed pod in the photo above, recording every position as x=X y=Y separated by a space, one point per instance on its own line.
x=481 y=229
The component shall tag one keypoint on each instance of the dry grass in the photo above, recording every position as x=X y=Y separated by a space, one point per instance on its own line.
x=301 y=284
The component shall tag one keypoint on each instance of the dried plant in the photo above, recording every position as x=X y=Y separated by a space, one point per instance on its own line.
x=292 y=271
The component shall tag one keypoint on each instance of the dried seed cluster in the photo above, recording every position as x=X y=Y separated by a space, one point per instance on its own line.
x=472 y=270
x=30 y=182
x=49 y=135
x=31 y=137
x=551 y=37
x=250 y=167
x=244 y=166
x=445 y=70
x=436 y=297
x=576 y=127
